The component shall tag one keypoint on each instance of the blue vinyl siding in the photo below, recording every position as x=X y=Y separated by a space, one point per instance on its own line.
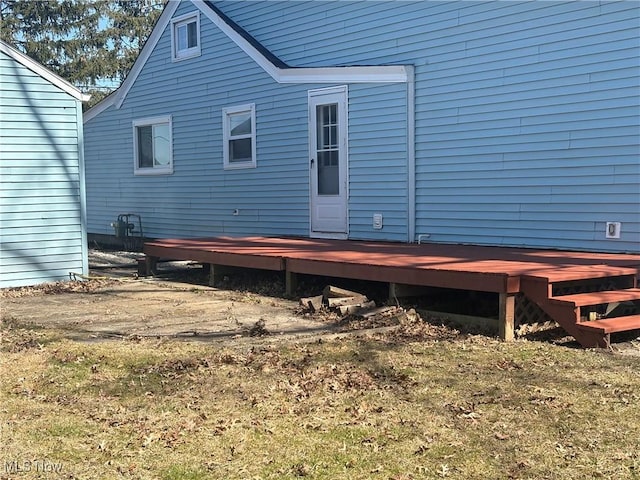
x=527 y=124
x=199 y=198
x=546 y=140
x=378 y=161
x=527 y=113
x=42 y=232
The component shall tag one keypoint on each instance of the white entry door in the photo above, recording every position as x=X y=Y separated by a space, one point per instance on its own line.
x=328 y=162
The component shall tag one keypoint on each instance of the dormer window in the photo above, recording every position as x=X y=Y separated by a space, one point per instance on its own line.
x=185 y=36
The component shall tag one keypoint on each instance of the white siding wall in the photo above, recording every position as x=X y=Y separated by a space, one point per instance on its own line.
x=41 y=224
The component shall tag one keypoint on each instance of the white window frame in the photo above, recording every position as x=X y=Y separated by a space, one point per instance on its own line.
x=150 y=121
x=182 y=20
x=226 y=136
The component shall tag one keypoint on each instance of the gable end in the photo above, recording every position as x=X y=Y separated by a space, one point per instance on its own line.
x=43 y=72
x=270 y=63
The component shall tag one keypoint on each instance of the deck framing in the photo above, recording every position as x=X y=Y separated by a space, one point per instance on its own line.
x=463 y=267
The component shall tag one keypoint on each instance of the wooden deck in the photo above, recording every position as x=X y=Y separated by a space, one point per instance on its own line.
x=466 y=267
x=500 y=270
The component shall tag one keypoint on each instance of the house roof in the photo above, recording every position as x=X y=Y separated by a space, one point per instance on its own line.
x=267 y=54
x=42 y=71
x=270 y=63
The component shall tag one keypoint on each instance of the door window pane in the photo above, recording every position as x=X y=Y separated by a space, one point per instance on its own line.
x=327 y=126
x=328 y=173
x=327 y=149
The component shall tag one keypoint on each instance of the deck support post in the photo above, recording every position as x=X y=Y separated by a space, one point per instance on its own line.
x=212 y=274
x=150 y=265
x=393 y=293
x=217 y=273
x=506 y=316
x=291 y=282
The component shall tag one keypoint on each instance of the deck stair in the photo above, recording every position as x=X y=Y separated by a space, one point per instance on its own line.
x=589 y=303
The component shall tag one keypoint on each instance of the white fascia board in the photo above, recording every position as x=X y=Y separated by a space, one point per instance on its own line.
x=364 y=74
x=43 y=72
x=368 y=74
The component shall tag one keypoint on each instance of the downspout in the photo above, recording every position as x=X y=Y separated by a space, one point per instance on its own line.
x=82 y=190
x=411 y=152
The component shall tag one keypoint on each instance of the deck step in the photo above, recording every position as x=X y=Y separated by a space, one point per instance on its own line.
x=583 y=272
x=608 y=287
x=612 y=325
x=598 y=298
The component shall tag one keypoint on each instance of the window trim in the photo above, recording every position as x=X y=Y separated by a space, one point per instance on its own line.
x=177 y=56
x=226 y=136
x=143 y=122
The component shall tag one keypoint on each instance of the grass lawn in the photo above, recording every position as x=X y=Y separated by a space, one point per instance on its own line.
x=415 y=403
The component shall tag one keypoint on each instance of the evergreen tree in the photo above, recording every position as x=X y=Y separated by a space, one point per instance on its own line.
x=90 y=43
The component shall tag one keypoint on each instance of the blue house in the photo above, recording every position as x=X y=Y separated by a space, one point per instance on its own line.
x=487 y=123
x=42 y=210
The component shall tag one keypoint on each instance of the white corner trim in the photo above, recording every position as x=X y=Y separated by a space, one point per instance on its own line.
x=411 y=155
x=43 y=72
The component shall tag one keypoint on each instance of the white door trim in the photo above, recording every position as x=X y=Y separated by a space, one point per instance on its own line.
x=339 y=95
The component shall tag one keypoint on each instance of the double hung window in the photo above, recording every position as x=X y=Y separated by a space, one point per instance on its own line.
x=239 y=136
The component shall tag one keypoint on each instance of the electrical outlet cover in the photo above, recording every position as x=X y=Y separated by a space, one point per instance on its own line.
x=613 y=230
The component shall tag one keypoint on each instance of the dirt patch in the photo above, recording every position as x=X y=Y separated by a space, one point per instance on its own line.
x=115 y=304
x=148 y=308
x=178 y=303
